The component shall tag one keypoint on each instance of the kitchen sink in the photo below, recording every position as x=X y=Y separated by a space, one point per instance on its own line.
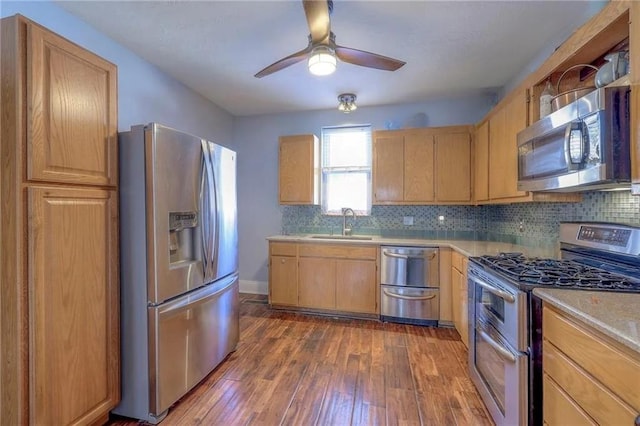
x=342 y=237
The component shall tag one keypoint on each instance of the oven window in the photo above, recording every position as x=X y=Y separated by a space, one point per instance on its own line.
x=491 y=303
x=491 y=367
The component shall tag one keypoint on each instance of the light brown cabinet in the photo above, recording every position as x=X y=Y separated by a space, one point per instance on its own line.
x=328 y=277
x=459 y=295
x=588 y=377
x=299 y=169
x=422 y=166
x=481 y=163
x=496 y=156
x=59 y=305
x=72 y=284
x=283 y=274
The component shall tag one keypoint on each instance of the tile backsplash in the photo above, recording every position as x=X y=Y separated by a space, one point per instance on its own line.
x=531 y=224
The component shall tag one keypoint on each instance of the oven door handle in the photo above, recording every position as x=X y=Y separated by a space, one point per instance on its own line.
x=402 y=296
x=429 y=256
x=508 y=297
x=501 y=350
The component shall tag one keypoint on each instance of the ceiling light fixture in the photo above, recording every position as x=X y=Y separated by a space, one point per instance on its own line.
x=322 y=61
x=347 y=102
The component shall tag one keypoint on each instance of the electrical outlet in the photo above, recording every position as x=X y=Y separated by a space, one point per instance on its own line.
x=441 y=219
x=407 y=220
x=521 y=226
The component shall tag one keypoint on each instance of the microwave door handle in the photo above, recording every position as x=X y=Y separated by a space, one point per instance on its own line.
x=507 y=297
x=501 y=350
x=573 y=163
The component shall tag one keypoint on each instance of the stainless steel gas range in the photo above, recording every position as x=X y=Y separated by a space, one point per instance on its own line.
x=505 y=335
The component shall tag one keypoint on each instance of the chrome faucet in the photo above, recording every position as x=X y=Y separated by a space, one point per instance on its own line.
x=349 y=230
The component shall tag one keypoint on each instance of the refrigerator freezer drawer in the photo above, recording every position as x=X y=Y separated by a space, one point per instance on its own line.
x=410 y=304
x=189 y=337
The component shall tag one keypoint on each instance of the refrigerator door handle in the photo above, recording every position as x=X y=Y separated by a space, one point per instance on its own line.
x=204 y=225
x=207 y=207
x=214 y=216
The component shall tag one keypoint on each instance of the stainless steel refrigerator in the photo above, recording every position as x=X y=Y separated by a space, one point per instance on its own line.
x=179 y=265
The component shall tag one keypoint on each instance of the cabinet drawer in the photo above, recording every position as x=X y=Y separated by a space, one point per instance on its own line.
x=608 y=363
x=597 y=401
x=283 y=249
x=559 y=408
x=338 y=251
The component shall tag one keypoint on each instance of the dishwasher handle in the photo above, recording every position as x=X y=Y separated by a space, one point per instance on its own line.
x=430 y=255
x=405 y=297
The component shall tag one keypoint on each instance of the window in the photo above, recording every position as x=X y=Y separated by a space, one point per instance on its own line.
x=346 y=169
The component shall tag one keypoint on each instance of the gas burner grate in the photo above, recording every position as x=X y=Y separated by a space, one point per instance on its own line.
x=559 y=273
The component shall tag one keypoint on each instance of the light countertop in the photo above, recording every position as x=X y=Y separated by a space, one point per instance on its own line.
x=616 y=315
x=465 y=247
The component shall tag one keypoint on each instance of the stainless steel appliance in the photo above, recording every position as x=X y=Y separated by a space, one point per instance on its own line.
x=410 y=286
x=505 y=351
x=582 y=146
x=179 y=265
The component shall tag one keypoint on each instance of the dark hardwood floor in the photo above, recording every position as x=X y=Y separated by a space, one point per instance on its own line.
x=295 y=369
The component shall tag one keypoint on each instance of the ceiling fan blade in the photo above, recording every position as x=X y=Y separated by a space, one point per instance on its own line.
x=284 y=62
x=367 y=59
x=317 y=13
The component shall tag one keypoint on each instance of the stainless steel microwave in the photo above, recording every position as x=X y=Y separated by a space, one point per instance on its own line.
x=582 y=146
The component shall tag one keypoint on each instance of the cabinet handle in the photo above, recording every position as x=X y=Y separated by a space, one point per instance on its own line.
x=401 y=296
x=282 y=260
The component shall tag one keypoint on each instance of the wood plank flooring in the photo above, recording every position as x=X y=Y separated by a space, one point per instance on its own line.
x=295 y=369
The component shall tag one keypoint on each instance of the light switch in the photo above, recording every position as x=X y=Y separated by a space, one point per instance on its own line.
x=407 y=220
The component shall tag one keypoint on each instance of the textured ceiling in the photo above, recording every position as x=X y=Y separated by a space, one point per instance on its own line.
x=452 y=48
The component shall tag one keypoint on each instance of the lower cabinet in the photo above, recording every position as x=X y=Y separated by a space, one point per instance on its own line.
x=73 y=328
x=459 y=295
x=323 y=276
x=283 y=274
x=317 y=284
x=588 y=377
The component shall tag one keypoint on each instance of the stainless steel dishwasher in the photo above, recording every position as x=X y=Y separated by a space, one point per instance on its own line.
x=410 y=285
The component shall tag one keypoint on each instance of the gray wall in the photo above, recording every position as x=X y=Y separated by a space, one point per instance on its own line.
x=256 y=140
x=145 y=93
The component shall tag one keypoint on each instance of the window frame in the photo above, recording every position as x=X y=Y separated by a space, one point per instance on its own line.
x=326 y=171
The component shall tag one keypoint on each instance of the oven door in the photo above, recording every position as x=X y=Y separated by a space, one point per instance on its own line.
x=503 y=307
x=501 y=375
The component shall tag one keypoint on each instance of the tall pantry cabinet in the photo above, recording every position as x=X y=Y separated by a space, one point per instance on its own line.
x=59 y=298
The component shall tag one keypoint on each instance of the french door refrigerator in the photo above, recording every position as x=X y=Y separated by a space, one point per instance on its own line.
x=179 y=265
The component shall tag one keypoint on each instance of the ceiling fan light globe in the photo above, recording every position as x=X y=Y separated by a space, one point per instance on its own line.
x=322 y=61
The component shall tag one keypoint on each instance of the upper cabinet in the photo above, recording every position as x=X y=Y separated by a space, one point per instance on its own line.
x=71 y=106
x=299 y=170
x=422 y=166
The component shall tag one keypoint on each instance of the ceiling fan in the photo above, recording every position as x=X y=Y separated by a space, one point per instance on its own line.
x=322 y=41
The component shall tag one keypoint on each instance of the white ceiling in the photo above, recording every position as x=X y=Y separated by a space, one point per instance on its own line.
x=452 y=48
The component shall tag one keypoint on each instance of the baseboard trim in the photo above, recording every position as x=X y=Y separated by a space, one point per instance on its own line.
x=254 y=287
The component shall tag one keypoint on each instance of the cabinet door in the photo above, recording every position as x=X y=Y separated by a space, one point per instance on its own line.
x=317 y=283
x=481 y=169
x=73 y=305
x=72 y=112
x=456 y=279
x=464 y=304
x=418 y=166
x=453 y=167
x=356 y=286
x=299 y=169
x=504 y=126
x=388 y=167
x=283 y=284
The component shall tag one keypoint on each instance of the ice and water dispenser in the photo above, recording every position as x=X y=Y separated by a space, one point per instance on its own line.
x=182 y=226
